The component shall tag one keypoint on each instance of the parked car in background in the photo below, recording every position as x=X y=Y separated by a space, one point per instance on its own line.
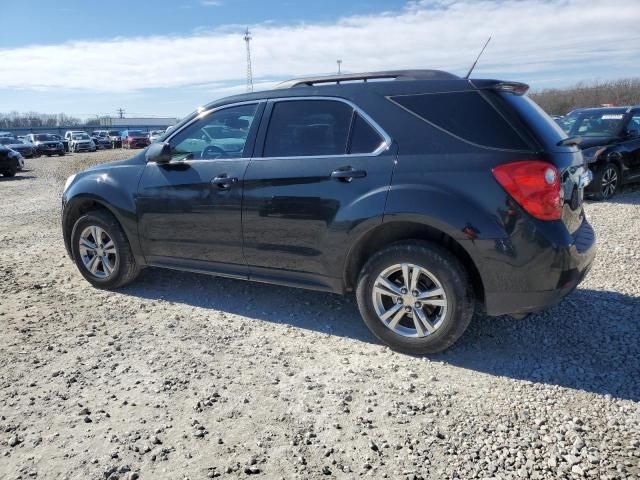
x=65 y=143
x=81 y=142
x=101 y=139
x=335 y=184
x=46 y=144
x=135 y=139
x=116 y=138
x=154 y=135
x=27 y=150
x=610 y=140
x=9 y=162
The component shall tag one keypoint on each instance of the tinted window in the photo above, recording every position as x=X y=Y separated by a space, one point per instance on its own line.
x=364 y=139
x=222 y=134
x=466 y=115
x=308 y=127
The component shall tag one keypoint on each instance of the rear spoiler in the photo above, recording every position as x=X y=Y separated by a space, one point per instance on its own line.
x=517 y=88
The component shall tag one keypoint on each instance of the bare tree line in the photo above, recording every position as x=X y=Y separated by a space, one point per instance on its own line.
x=35 y=119
x=559 y=101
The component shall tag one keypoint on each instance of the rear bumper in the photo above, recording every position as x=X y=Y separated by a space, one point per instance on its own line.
x=558 y=270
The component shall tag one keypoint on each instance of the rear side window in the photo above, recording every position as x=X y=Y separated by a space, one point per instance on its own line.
x=466 y=115
x=308 y=128
x=364 y=139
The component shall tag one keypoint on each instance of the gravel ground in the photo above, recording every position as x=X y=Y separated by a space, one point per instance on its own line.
x=185 y=376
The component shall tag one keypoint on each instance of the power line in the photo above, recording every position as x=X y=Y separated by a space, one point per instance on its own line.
x=247 y=39
x=120 y=112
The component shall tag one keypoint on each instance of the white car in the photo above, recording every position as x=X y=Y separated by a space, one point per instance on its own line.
x=154 y=135
x=81 y=142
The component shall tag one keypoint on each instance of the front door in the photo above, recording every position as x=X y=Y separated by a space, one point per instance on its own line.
x=324 y=168
x=190 y=209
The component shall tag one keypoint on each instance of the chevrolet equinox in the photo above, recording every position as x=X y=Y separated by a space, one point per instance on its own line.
x=427 y=194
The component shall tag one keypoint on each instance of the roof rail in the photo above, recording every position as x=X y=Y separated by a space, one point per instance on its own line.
x=352 y=77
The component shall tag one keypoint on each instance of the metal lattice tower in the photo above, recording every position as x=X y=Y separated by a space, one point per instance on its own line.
x=247 y=39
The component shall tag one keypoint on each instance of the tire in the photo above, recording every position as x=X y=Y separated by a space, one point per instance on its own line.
x=125 y=269
x=13 y=169
x=444 y=272
x=602 y=186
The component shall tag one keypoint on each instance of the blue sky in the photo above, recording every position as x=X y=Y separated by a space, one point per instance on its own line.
x=168 y=57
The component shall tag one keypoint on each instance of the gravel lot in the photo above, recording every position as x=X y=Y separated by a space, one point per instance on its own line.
x=185 y=376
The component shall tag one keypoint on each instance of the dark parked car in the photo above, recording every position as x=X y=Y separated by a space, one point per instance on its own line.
x=27 y=150
x=426 y=194
x=65 y=143
x=135 y=139
x=9 y=161
x=610 y=140
x=46 y=144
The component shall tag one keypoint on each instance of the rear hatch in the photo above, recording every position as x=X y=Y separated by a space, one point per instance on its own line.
x=541 y=130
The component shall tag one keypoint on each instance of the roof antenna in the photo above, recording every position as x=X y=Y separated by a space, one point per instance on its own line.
x=477 y=58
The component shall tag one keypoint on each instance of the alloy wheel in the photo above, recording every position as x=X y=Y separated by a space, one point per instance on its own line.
x=98 y=252
x=609 y=182
x=409 y=300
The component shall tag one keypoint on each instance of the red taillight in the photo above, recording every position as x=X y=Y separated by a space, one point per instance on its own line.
x=535 y=185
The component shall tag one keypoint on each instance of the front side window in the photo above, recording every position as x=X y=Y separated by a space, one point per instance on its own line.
x=221 y=134
x=308 y=128
x=634 y=124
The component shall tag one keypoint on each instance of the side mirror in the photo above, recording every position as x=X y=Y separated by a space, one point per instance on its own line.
x=158 y=153
x=633 y=133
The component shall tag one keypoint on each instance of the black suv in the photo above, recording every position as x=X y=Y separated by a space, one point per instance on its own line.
x=610 y=139
x=425 y=193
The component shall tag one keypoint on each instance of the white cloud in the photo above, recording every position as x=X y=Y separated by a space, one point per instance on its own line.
x=210 y=3
x=533 y=40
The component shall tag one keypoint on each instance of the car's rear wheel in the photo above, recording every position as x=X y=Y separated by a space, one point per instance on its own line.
x=416 y=297
x=101 y=250
x=606 y=181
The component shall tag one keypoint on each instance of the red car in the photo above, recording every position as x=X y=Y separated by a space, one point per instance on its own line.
x=135 y=139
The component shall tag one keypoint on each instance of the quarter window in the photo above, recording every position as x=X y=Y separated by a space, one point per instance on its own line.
x=308 y=128
x=466 y=115
x=221 y=134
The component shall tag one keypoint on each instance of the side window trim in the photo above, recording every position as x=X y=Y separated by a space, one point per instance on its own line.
x=386 y=143
x=250 y=143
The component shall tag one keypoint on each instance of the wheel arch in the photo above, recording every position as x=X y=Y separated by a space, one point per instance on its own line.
x=80 y=205
x=401 y=230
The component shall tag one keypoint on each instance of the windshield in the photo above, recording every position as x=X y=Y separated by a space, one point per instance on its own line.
x=8 y=141
x=81 y=136
x=114 y=133
x=604 y=122
x=43 y=137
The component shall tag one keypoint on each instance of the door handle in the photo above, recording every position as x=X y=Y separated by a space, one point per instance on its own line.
x=347 y=174
x=223 y=181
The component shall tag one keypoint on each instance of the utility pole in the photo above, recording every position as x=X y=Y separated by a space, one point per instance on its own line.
x=339 y=62
x=120 y=112
x=247 y=39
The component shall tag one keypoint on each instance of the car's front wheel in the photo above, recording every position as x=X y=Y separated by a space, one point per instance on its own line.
x=101 y=250
x=606 y=181
x=416 y=297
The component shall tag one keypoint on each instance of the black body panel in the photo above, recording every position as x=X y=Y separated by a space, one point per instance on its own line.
x=288 y=220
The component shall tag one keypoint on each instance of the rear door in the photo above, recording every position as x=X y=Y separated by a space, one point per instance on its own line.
x=324 y=167
x=190 y=209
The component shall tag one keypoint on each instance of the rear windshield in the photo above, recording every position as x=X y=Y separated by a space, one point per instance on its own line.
x=466 y=115
x=542 y=126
